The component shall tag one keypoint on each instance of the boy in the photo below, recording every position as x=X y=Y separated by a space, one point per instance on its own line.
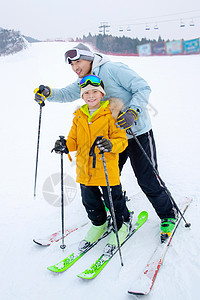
x=93 y=119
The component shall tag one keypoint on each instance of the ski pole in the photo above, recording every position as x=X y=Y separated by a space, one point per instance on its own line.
x=129 y=131
x=61 y=150
x=62 y=246
x=112 y=211
x=41 y=89
x=112 y=207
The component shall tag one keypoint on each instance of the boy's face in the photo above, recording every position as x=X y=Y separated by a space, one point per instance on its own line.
x=92 y=98
x=81 y=67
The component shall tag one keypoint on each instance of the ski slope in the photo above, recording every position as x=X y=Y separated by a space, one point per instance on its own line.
x=175 y=111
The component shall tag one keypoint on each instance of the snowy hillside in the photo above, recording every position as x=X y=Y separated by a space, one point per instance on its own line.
x=175 y=110
x=11 y=42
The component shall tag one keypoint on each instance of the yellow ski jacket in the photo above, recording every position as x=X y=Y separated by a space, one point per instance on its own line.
x=84 y=132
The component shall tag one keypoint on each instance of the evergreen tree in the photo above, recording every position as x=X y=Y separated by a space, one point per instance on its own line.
x=109 y=43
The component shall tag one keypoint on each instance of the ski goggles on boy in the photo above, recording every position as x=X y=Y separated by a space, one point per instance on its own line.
x=91 y=79
x=75 y=54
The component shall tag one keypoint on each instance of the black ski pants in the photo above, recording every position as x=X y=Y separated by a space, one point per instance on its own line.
x=92 y=200
x=147 y=180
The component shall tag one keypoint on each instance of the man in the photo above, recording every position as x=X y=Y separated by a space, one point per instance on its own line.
x=122 y=82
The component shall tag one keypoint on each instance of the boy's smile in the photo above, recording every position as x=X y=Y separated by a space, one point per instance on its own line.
x=93 y=98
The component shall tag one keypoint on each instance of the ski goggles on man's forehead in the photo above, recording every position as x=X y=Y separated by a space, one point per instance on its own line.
x=75 y=54
x=90 y=79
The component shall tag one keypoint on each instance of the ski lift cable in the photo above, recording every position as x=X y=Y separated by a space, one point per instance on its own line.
x=161 y=16
x=158 y=21
x=161 y=21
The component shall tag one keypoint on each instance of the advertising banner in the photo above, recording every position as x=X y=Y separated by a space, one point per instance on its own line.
x=158 y=48
x=174 y=47
x=191 y=46
x=144 y=50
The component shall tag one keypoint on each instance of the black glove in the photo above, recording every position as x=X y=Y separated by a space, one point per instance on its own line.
x=126 y=119
x=104 y=145
x=41 y=93
x=61 y=147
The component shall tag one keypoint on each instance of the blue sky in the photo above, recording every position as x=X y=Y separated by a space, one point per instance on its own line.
x=44 y=19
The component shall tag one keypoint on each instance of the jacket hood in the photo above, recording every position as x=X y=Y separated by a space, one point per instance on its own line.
x=116 y=106
x=99 y=60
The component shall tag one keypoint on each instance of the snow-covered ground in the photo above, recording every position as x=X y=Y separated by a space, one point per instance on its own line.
x=175 y=110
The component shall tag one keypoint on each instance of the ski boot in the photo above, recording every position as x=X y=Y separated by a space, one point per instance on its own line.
x=123 y=232
x=93 y=235
x=167 y=226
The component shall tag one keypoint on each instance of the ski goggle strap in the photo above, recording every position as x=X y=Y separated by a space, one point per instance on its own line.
x=90 y=79
x=74 y=54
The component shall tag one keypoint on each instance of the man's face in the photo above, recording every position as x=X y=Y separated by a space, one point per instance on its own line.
x=81 y=67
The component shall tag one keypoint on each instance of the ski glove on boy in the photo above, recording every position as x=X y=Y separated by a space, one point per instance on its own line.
x=41 y=93
x=61 y=147
x=126 y=119
x=104 y=145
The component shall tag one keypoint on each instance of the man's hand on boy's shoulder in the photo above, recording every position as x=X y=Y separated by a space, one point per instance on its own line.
x=104 y=145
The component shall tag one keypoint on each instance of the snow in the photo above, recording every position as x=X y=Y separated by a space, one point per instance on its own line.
x=174 y=107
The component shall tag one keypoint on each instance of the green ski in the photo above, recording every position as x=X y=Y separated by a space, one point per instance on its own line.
x=67 y=262
x=96 y=268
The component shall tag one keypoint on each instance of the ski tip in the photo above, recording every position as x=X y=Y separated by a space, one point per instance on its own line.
x=84 y=275
x=80 y=276
x=54 y=269
x=50 y=268
x=143 y=215
x=140 y=291
x=41 y=244
x=136 y=293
